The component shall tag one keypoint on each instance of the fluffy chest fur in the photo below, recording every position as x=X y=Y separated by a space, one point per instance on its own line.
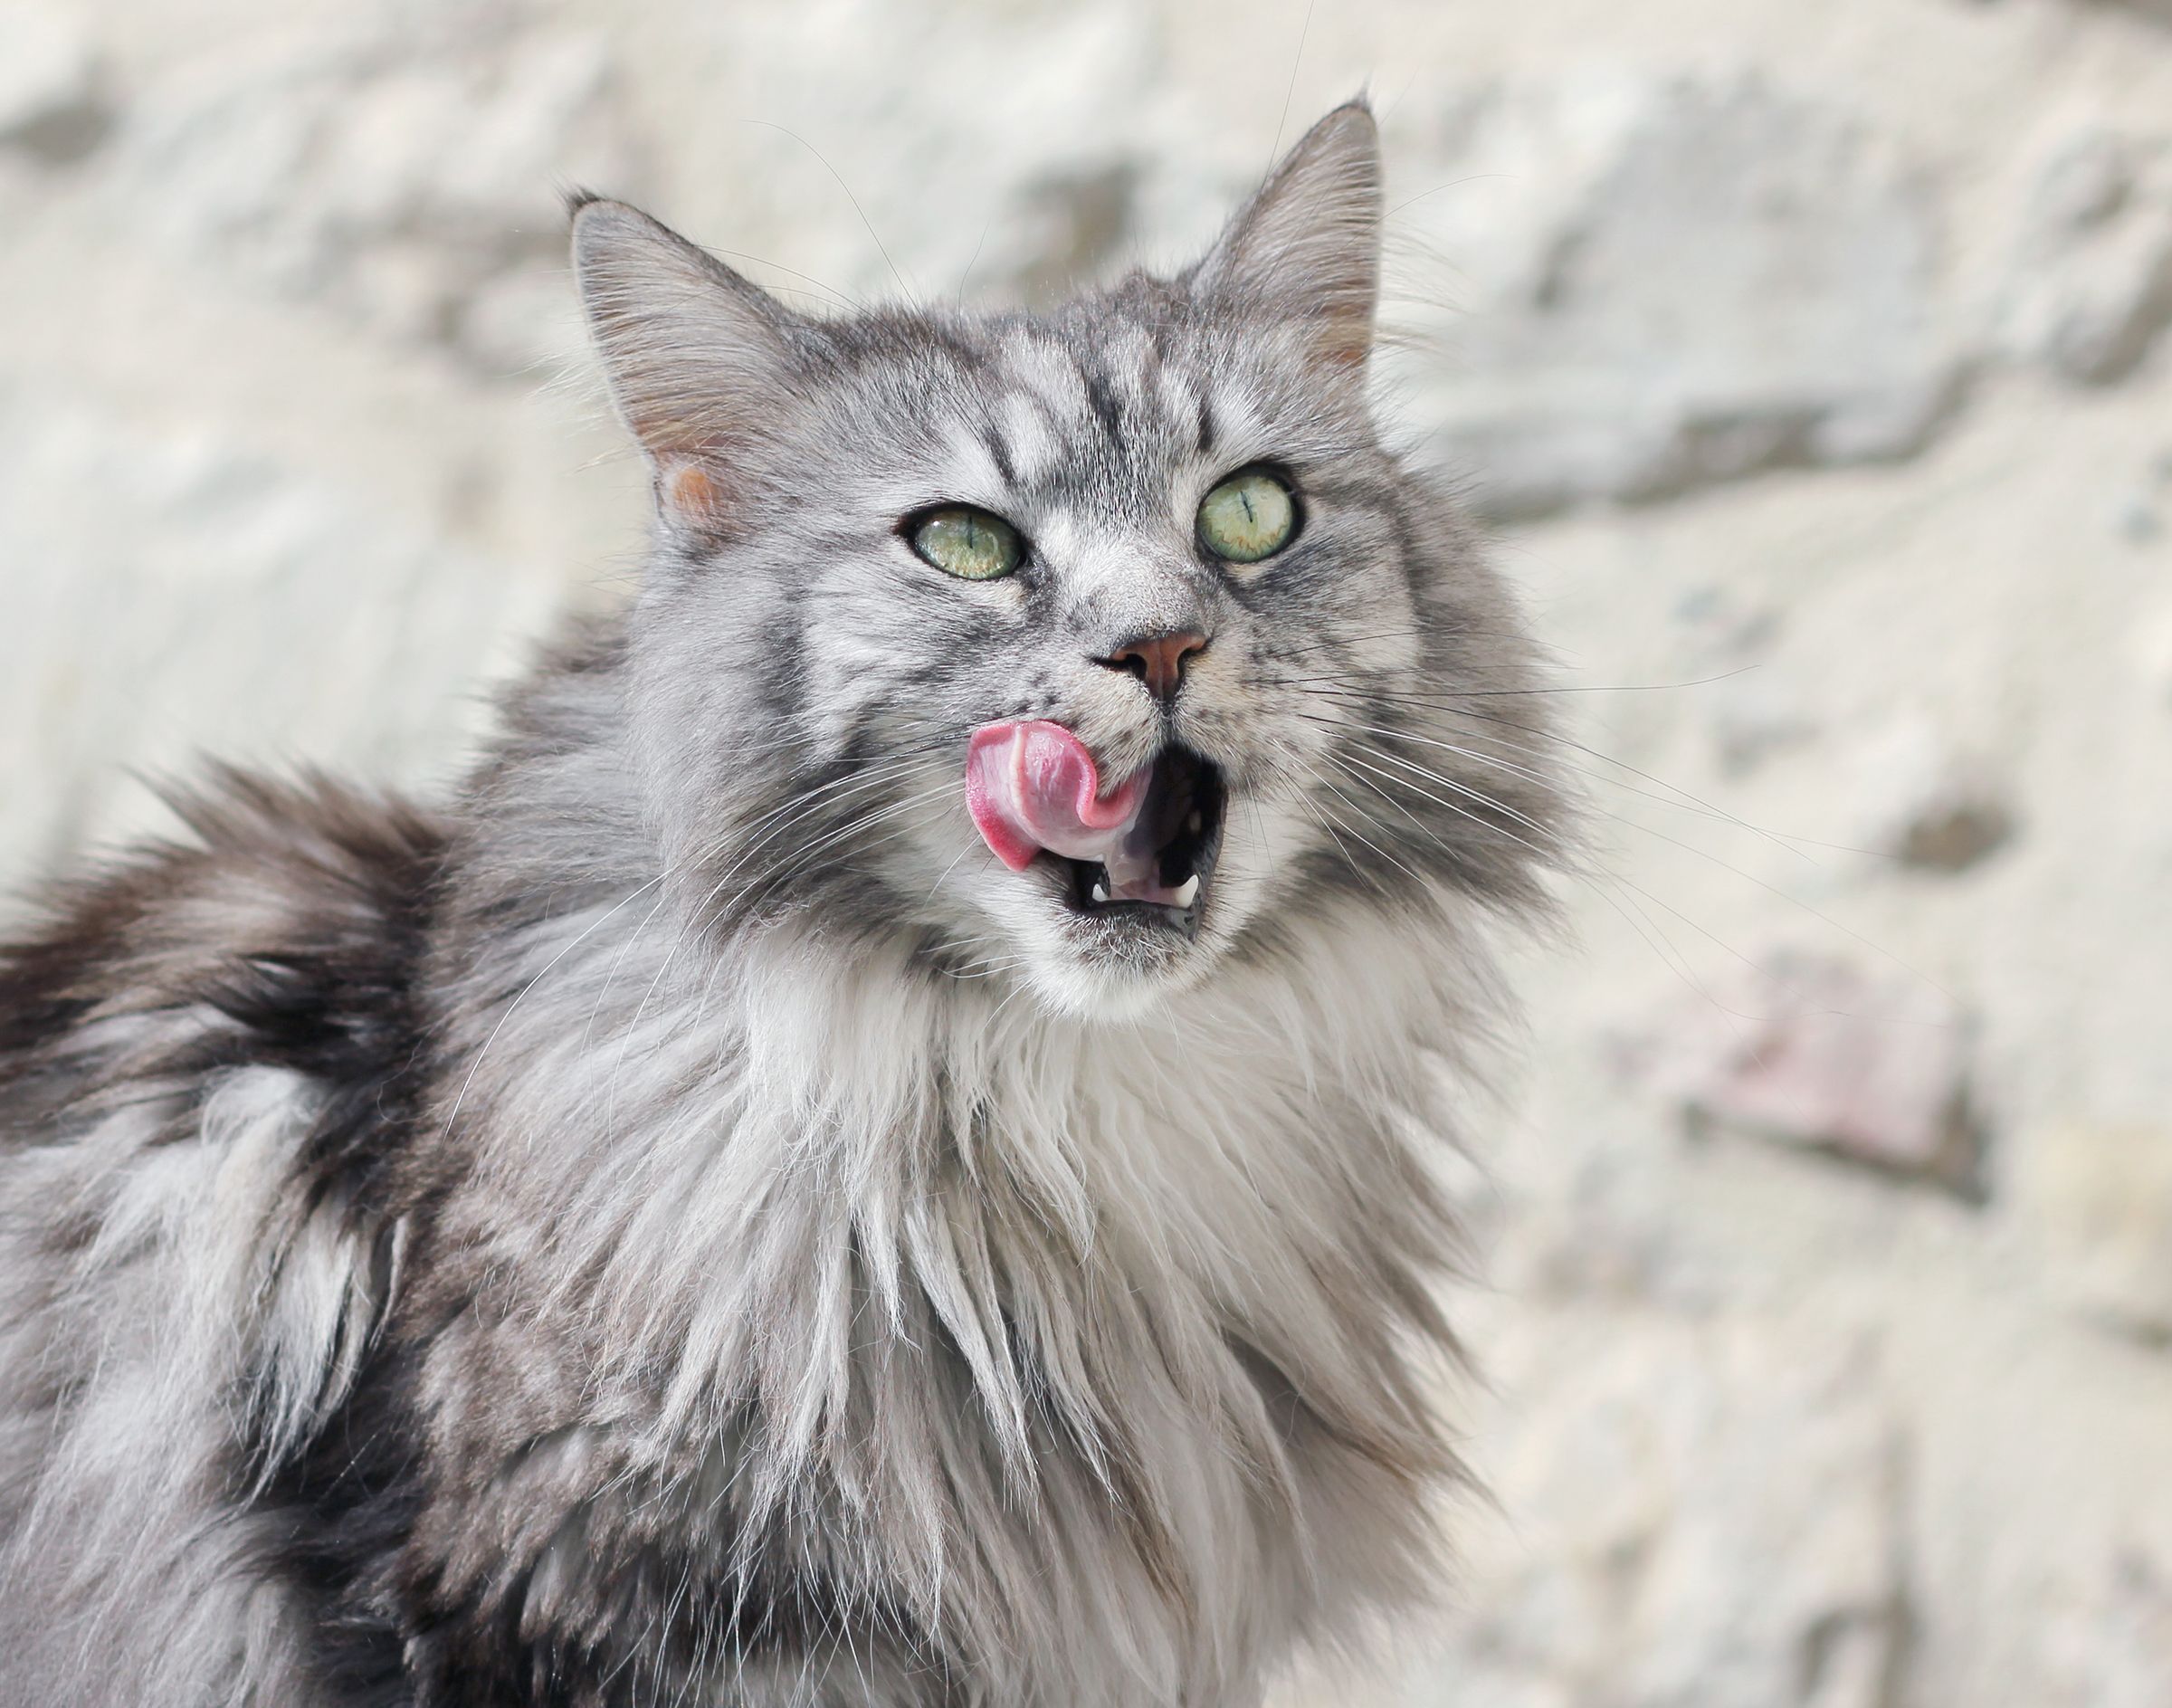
x=1082 y=1352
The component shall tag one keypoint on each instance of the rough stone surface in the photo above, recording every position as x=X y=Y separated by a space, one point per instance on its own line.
x=1646 y=1476
x=2092 y=287
x=1813 y=1052
x=2101 y=1201
x=48 y=91
x=410 y=177
x=2114 y=1639
x=151 y=564
x=1816 y=351
x=1923 y=801
x=1669 y=281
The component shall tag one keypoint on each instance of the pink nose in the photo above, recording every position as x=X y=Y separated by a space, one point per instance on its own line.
x=1158 y=660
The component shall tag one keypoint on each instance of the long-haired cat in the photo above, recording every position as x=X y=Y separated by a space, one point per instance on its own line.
x=876 y=1152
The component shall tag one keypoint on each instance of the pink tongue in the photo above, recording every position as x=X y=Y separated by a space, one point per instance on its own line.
x=1032 y=786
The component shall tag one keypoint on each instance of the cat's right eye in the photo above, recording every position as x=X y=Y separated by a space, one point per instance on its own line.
x=968 y=543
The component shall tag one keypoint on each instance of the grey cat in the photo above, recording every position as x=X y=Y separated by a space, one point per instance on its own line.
x=876 y=1152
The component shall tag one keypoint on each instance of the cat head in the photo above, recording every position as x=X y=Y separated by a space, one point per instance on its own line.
x=1086 y=651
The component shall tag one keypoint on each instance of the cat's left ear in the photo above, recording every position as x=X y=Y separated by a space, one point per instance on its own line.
x=1305 y=248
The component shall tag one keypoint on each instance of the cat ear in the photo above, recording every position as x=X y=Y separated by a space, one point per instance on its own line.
x=1305 y=248
x=700 y=361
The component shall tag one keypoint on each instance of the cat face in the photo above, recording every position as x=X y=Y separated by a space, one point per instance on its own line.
x=1081 y=651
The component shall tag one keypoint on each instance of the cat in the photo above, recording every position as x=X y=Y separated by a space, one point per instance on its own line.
x=878 y=1150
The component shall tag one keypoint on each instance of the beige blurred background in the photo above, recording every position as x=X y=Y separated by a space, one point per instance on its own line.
x=1812 y=360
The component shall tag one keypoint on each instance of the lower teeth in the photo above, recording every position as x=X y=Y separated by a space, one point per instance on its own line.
x=1182 y=896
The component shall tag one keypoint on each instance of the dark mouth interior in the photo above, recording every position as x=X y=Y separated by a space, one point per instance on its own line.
x=1183 y=815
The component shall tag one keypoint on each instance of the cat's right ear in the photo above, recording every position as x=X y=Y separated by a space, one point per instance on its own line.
x=700 y=361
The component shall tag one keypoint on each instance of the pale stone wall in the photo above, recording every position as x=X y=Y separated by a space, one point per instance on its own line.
x=1813 y=359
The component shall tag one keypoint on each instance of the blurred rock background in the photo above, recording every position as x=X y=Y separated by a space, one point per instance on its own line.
x=1813 y=364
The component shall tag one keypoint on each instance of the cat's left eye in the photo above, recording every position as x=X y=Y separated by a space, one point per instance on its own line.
x=1250 y=516
x=968 y=543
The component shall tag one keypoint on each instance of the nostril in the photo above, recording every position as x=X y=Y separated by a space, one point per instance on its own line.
x=1156 y=660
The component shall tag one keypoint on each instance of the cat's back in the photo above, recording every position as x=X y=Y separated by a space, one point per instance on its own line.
x=209 y=1057
x=286 y=931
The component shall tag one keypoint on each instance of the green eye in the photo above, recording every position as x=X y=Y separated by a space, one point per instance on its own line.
x=968 y=543
x=1250 y=516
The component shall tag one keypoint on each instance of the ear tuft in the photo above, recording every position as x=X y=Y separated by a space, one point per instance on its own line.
x=1305 y=248
x=700 y=361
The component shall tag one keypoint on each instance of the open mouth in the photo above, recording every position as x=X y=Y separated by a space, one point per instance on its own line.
x=1142 y=852
x=1164 y=866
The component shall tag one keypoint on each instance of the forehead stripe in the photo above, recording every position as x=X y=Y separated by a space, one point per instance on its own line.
x=1102 y=400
